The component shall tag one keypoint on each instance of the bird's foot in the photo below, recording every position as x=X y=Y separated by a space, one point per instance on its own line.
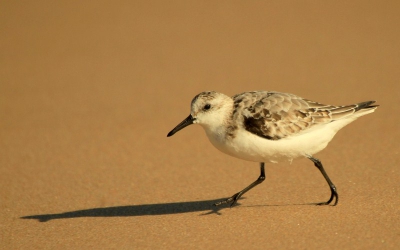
x=333 y=195
x=232 y=200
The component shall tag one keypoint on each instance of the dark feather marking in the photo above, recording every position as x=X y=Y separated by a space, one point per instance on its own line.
x=231 y=131
x=276 y=117
x=207 y=95
x=256 y=126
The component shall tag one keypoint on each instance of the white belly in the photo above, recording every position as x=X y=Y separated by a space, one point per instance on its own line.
x=248 y=146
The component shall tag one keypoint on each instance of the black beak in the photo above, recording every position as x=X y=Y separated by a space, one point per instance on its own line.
x=189 y=120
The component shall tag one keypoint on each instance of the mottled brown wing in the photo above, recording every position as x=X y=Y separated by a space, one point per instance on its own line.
x=274 y=115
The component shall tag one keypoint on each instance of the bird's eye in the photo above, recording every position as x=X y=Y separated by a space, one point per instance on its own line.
x=207 y=107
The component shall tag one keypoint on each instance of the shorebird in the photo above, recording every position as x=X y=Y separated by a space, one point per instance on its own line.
x=269 y=126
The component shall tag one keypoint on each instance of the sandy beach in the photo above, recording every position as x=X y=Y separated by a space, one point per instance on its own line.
x=89 y=91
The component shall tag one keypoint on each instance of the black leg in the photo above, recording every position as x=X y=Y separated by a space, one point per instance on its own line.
x=236 y=196
x=318 y=164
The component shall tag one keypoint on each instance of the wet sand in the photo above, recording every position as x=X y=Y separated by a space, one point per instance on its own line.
x=89 y=91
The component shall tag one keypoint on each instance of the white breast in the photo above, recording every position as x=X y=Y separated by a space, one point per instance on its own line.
x=248 y=146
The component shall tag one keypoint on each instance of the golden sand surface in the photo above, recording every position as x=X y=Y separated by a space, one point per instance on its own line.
x=89 y=91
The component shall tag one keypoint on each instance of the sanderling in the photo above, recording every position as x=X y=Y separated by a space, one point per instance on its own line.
x=268 y=126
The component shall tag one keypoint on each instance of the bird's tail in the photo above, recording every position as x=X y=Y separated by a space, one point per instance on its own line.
x=352 y=111
x=364 y=108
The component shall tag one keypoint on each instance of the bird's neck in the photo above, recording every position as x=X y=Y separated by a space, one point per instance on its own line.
x=220 y=128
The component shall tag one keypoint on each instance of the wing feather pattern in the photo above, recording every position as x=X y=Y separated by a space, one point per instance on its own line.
x=274 y=115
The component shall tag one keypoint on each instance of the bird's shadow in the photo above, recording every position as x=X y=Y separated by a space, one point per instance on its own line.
x=135 y=210
x=143 y=210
